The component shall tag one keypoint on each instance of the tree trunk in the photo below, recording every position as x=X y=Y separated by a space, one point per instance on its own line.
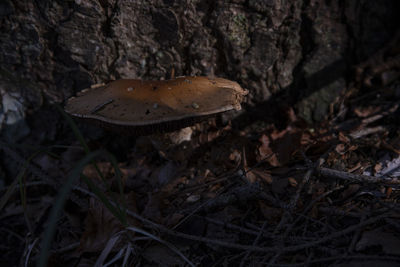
x=52 y=49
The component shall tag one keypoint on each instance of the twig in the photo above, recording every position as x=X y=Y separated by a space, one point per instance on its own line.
x=346 y=258
x=243 y=262
x=169 y=245
x=55 y=183
x=201 y=206
x=242 y=194
x=255 y=248
x=249 y=247
x=335 y=174
x=294 y=200
x=339 y=212
x=309 y=206
x=355 y=238
x=366 y=131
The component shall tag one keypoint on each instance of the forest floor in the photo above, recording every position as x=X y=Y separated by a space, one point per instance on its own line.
x=266 y=193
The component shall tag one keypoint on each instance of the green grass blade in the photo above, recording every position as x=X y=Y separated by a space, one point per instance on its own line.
x=17 y=179
x=4 y=199
x=59 y=204
x=74 y=128
x=113 y=161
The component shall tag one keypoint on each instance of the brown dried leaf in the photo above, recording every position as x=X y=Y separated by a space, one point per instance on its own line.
x=353 y=148
x=265 y=152
x=363 y=112
x=105 y=168
x=279 y=134
x=250 y=176
x=287 y=143
x=343 y=138
x=180 y=136
x=292 y=182
x=101 y=225
x=340 y=149
x=389 y=191
x=264 y=175
x=292 y=115
x=235 y=156
x=378 y=167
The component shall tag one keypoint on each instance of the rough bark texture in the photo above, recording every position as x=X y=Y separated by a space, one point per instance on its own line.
x=52 y=49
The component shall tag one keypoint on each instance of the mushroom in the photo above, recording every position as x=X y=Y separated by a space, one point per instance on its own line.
x=144 y=107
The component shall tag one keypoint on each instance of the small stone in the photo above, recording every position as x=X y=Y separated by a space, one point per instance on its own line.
x=129 y=89
x=195 y=105
x=193 y=198
x=155 y=105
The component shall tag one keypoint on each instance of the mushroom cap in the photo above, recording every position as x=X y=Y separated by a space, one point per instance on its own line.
x=136 y=103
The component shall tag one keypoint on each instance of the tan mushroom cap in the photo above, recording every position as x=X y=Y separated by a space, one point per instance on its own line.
x=138 y=103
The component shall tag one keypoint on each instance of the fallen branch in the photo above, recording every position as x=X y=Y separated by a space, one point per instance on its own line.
x=335 y=174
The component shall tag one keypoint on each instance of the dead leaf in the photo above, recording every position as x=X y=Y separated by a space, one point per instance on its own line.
x=292 y=182
x=342 y=138
x=251 y=177
x=104 y=167
x=254 y=174
x=364 y=112
x=264 y=175
x=341 y=149
x=100 y=226
x=235 y=156
x=352 y=148
x=286 y=145
x=377 y=167
x=389 y=191
x=291 y=115
x=265 y=152
x=180 y=136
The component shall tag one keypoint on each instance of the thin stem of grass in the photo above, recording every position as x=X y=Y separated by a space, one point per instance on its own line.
x=59 y=204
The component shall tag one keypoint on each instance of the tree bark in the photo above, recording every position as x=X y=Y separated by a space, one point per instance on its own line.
x=52 y=49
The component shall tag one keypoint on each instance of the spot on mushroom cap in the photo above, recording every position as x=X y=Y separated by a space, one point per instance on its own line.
x=132 y=103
